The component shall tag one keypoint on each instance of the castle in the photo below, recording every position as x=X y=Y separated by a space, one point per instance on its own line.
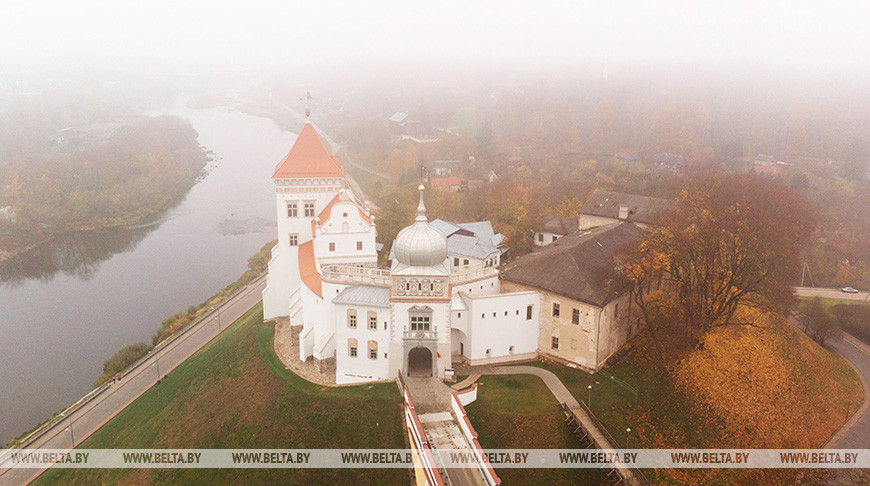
x=446 y=297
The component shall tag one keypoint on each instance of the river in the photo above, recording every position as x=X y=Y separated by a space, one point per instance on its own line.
x=68 y=305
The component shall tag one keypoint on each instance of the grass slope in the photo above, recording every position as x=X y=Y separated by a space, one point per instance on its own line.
x=519 y=412
x=235 y=393
x=753 y=387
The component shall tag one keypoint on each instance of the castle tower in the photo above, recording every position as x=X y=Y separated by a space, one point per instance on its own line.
x=306 y=180
x=420 y=299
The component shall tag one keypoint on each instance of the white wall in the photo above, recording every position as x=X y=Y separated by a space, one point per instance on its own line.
x=279 y=283
x=361 y=368
x=345 y=232
x=499 y=323
x=585 y=221
x=486 y=286
x=548 y=238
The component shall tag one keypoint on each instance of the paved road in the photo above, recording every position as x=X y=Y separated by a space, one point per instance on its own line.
x=829 y=293
x=855 y=434
x=90 y=417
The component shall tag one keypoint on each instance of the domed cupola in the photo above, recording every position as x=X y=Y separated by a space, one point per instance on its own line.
x=420 y=245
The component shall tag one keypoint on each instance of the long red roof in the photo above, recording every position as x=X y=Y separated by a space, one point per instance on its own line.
x=308 y=268
x=309 y=158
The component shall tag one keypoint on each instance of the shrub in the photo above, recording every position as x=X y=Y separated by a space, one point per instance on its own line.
x=121 y=360
x=853 y=318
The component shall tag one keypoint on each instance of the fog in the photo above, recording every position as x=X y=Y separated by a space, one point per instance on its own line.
x=93 y=36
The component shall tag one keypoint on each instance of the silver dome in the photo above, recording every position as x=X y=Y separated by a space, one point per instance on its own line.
x=421 y=245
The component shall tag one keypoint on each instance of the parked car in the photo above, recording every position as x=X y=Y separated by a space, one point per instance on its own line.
x=849 y=290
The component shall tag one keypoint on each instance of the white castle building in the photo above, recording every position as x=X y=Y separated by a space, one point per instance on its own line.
x=441 y=300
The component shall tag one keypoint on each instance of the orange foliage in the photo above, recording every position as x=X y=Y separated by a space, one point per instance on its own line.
x=769 y=386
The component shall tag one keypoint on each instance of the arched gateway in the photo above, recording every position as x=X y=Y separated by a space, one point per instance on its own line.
x=420 y=362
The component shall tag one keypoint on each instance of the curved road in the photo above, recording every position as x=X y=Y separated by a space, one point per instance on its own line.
x=855 y=433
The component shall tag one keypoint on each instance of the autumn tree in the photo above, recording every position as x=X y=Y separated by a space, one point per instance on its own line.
x=816 y=322
x=731 y=241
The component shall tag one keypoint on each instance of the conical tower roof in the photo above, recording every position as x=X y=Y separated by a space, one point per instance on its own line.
x=308 y=158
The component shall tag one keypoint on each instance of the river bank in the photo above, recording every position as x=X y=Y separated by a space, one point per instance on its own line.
x=72 y=302
x=144 y=168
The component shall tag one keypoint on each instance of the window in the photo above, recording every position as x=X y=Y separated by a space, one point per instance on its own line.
x=465 y=262
x=351 y=319
x=373 y=350
x=455 y=262
x=420 y=323
x=575 y=316
x=488 y=352
x=493 y=314
x=555 y=343
x=458 y=314
x=511 y=350
x=359 y=245
x=351 y=348
x=555 y=238
x=331 y=246
x=353 y=352
x=541 y=237
x=528 y=313
x=483 y=316
x=294 y=240
x=555 y=310
x=309 y=208
x=373 y=321
x=505 y=313
x=292 y=210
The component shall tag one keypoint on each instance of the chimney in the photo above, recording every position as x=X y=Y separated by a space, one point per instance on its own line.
x=623 y=212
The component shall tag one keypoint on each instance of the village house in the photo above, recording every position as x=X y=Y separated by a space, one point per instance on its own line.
x=554 y=227
x=585 y=314
x=606 y=207
x=453 y=183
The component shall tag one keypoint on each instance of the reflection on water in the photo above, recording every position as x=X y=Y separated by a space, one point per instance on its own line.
x=69 y=304
x=76 y=254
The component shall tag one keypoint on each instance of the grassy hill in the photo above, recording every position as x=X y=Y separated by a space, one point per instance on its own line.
x=235 y=393
x=503 y=420
x=754 y=387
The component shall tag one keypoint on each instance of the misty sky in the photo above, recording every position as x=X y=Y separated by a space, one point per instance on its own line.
x=255 y=34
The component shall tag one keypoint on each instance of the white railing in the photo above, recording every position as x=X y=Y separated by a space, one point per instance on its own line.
x=458 y=277
x=349 y=274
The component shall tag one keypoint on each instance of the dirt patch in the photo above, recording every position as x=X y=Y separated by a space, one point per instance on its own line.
x=287 y=349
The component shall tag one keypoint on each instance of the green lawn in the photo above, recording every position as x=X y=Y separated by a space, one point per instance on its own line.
x=518 y=411
x=828 y=302
x=235 y=393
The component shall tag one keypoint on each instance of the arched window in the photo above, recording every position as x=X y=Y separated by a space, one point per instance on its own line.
x=351 y=318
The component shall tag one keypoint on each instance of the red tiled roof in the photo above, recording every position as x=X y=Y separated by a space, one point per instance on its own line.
x=308 y=268
x=309 y=158
x=767 y=170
